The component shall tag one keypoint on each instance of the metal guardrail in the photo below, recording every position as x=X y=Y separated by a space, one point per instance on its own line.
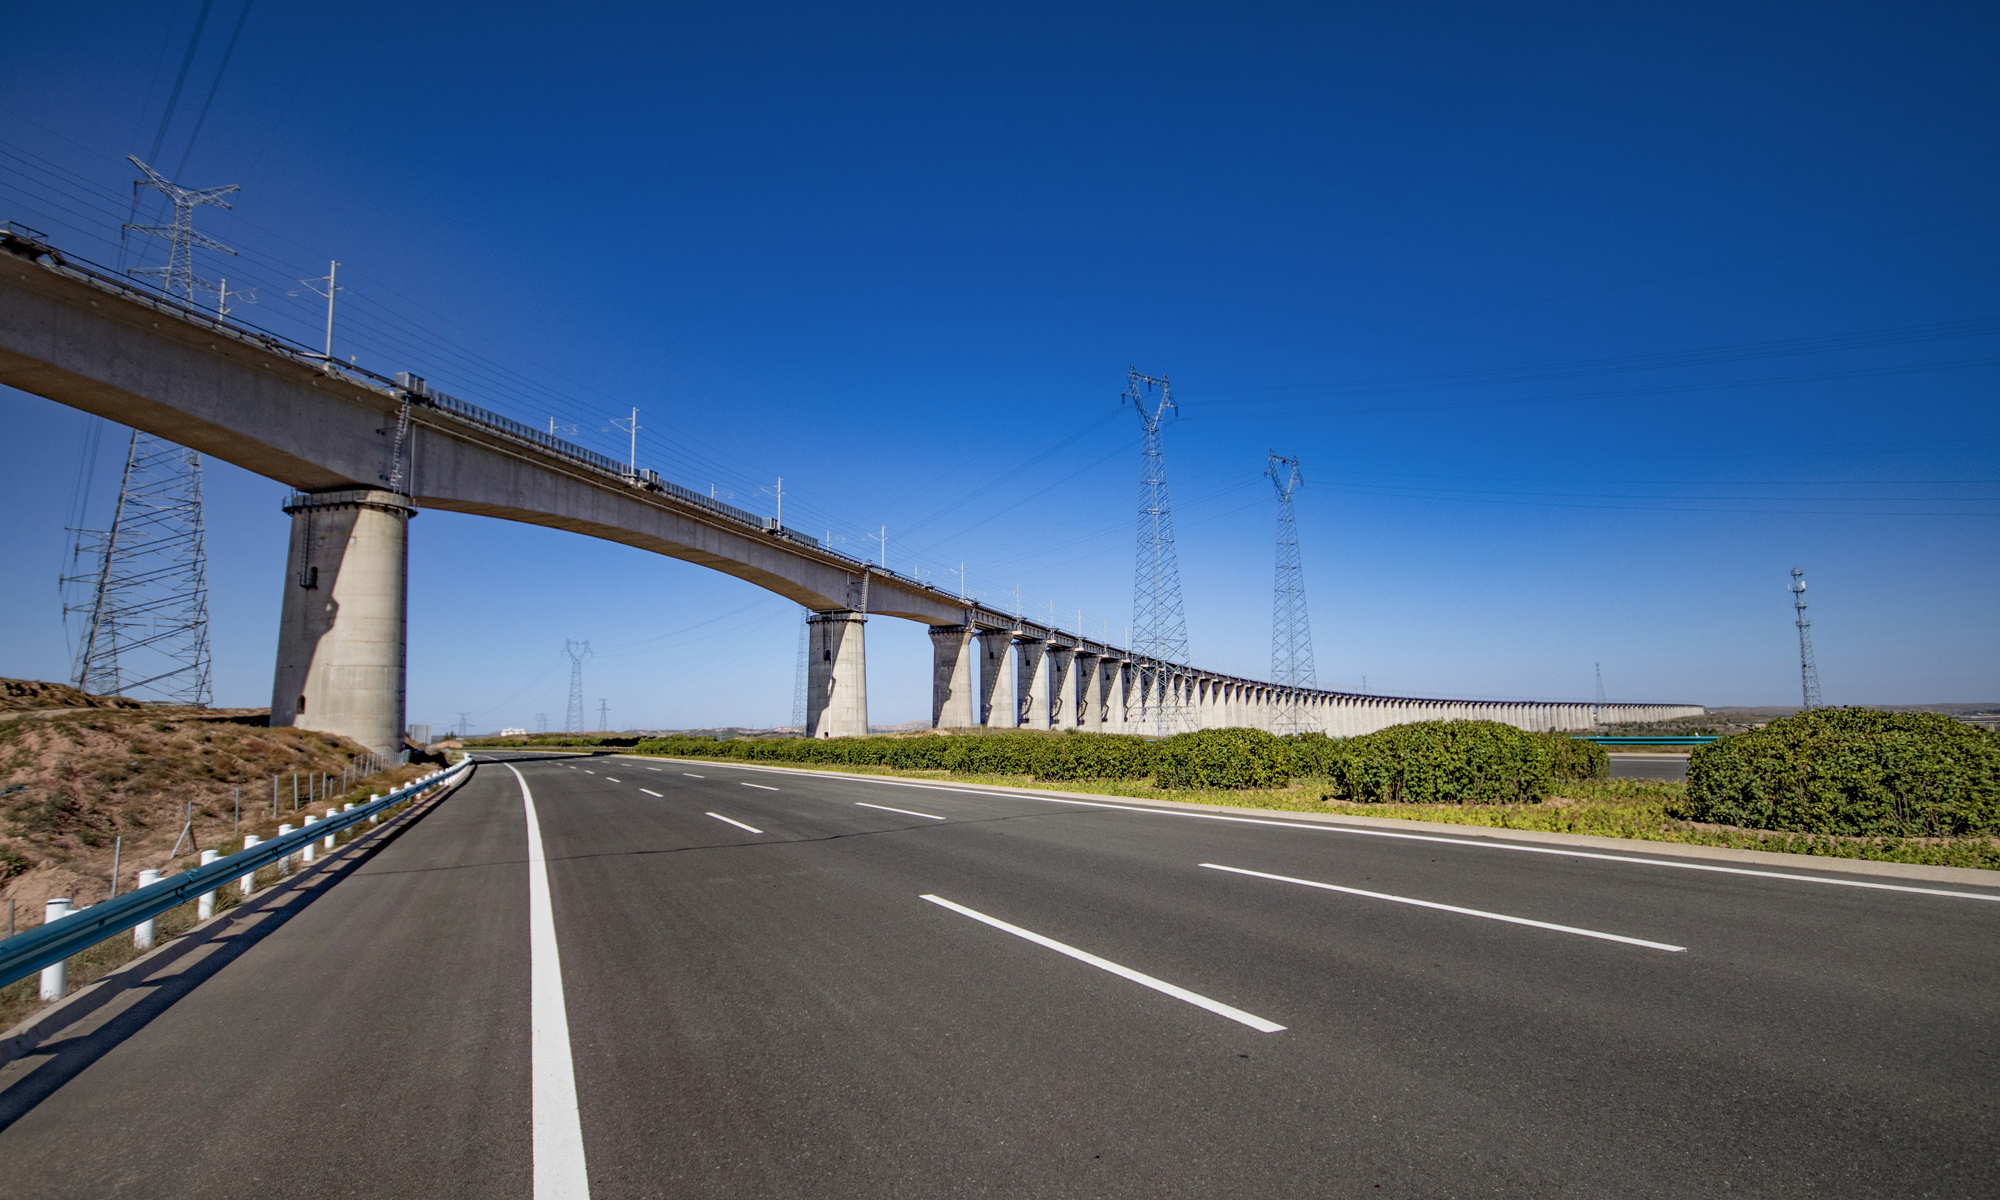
x=25 y=953
x=1690 y=740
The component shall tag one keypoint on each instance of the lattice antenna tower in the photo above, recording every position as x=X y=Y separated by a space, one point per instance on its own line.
x=177 y=278
x=141 y=586
x=799 y=678
x=1159 y=625
x=577 y=651
x=1808 y=669
x=1291 y=630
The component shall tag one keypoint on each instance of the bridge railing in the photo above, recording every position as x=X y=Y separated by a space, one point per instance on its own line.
x=46 y=945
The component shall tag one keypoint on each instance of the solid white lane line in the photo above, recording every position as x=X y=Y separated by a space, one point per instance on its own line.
x=906 y=812
x=738 y=824
x=692 y=775
x=1159 y=985
x=760 y=787
x=1470 y=912
x=558 y=1131
x=651 y=792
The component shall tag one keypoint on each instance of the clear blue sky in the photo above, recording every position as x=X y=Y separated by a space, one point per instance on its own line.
x=1588 y=324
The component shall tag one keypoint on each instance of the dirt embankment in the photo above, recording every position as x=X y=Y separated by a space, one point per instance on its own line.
x=77 y=774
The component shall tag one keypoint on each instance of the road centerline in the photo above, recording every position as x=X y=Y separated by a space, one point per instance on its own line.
x=560 y=1173
x=1452 y=908
x=906 y=812
x=738 y=824
x=1104 y=964
x=651 y=792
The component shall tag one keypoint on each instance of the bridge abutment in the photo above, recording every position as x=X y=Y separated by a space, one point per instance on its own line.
x=836 y=675
x=343 y=626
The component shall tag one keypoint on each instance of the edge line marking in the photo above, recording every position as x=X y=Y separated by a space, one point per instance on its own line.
x=559 y=1169
x=738 y=824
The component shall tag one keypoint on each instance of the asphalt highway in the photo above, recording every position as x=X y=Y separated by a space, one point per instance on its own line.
x=647 y=978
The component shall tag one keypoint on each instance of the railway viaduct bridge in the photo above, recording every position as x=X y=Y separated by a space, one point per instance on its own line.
x=363 y=454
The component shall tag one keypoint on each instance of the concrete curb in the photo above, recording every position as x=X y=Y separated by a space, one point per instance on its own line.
x=1637 y=847
x=37 y=1027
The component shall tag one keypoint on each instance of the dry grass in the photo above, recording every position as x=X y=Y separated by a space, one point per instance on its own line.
x=23 y=997
x=75 y=782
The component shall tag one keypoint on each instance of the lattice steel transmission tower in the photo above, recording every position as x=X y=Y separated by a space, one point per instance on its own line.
x=799 y=679
x=141 y=586
x=177 y=278
x=1808 y=669
x=1159 y=625
x=577 y=651
x=1291 y=630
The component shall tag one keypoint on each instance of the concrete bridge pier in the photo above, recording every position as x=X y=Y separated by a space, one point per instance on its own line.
x=1062 y=686
x=836 y=675
x=343 y=625
x=1089 y=691
x=1032 y=682
x=953 y=704
x=997 y=708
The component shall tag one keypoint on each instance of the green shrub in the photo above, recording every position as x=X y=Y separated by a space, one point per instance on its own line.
x=1576 y=759
x=1222 y=758
x=996 y=753
x=1851 y=771
x=1079 y=755
x=1312 y=753
x=1443 y=762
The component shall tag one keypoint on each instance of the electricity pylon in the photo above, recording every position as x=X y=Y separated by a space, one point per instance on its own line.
x=141 y=586
x=1808 y=669
x=799 y=679
x=177 y=278
x=577 y=651
x=1291 y=631
x=1159 y=625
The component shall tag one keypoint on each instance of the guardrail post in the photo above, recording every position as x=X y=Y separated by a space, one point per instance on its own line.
x=331 y=813
x=248 y=882
x=142 y=933
x=55 y=977
x=204 y=907
x=286 y=867
x=306 y=854
x=374 y=818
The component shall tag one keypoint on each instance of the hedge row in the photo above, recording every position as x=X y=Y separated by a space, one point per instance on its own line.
x=1850 y=771
x=1445 y=762
x=1433 y=762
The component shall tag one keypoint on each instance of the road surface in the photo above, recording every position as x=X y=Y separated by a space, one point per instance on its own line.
x=1649 y=766
x=768 y=984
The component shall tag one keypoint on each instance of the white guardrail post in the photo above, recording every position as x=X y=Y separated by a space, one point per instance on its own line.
x=55 y=976
x=249 y=882
x=142 y=933
x=204 y=906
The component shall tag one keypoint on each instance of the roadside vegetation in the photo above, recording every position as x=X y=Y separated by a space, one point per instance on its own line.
x=1907 y=787
x=84 y=779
